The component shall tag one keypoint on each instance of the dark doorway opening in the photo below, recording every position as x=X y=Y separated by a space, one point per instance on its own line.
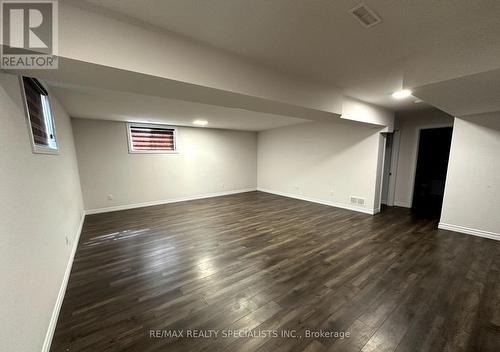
x=430 y=176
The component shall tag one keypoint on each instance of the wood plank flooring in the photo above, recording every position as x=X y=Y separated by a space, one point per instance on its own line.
x=274 y=264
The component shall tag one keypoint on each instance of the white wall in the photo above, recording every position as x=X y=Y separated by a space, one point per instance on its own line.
x=409 y=124
x=356 y=110
x=323 y=162
x=209 y=161
x=40 y=204
x=472 y=194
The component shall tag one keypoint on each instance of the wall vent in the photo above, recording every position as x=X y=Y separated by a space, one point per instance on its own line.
x=365 y=15
x=360 y=202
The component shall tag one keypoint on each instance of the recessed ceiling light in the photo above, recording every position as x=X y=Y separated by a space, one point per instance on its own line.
x=401 y=94
x=200 y=122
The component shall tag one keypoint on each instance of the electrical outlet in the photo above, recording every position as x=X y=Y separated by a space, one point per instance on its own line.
x=110 y=197
x=296 y=188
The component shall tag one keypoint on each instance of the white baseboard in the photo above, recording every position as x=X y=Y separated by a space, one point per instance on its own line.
x=470 y=231
x=62 y=290
x=402 y=204
x=320 y=201
x=165 y=201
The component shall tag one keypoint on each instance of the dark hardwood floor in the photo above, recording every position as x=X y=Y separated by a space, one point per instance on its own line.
x=273 y=264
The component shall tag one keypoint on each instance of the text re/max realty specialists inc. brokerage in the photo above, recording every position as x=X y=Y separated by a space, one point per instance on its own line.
x=228 y=333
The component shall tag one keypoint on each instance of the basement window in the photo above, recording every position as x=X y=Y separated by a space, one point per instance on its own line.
x=144 y=138
x=41 y=123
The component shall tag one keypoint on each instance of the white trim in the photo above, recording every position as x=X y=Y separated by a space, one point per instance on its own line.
x=402 y=204
x=393 y=170
x=470 y=231
x=320 y=201
x=62 y=290
x=380 y=174
x=165 y=201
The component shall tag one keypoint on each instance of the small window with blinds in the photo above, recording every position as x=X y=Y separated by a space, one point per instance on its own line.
x=39 y=113
x=151 y=138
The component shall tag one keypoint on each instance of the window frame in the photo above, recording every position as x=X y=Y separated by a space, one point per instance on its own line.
x=150 y=125
x=35 y=148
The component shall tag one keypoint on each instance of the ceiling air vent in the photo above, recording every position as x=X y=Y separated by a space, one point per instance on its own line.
x=365 y=15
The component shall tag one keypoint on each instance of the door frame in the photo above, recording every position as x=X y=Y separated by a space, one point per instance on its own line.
x=415 y=154
x=391 y=191
x=380 y=172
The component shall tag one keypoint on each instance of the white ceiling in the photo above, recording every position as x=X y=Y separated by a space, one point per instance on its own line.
x=320 y=40
x=473 y=94
x=94 y=103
